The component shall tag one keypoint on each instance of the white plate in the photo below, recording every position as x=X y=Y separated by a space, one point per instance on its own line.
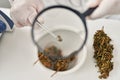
x=18 y=53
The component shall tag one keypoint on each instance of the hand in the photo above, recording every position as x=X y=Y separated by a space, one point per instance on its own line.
x=105 y=7
x=23 y=12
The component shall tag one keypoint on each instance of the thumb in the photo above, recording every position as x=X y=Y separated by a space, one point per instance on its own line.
x=106 y=7
x=31 y=17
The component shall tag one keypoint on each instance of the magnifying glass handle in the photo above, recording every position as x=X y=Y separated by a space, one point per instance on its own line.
x=89 y=11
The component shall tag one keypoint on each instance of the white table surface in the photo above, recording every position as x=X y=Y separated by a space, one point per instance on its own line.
x=18 y=53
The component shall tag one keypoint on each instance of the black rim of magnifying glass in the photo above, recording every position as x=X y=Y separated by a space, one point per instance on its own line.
x=81 y=16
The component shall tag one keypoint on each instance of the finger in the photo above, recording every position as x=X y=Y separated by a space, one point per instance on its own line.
x=92 y=3
x=40 y=6
x=32 y=16
x=102 y=10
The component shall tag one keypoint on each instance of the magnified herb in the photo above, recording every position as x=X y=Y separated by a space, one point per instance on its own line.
x=57 y=65
x=103 y=53
x=59 y=38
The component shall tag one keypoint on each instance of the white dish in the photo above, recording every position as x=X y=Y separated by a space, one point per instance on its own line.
x=72 y=41
x=18 y=53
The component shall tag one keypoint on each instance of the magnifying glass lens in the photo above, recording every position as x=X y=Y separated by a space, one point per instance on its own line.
x=64 y=23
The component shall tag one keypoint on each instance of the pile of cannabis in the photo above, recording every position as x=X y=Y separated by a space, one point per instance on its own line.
x=103 y=53
x=57 y=65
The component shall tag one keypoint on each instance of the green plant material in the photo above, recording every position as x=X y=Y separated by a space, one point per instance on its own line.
x=103 y=53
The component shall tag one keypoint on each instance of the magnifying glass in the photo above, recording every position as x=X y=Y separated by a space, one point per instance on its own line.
x=66 y=22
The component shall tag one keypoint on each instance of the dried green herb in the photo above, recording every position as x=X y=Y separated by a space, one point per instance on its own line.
x=103 y=53
x=59 y=38
x=57 y=65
